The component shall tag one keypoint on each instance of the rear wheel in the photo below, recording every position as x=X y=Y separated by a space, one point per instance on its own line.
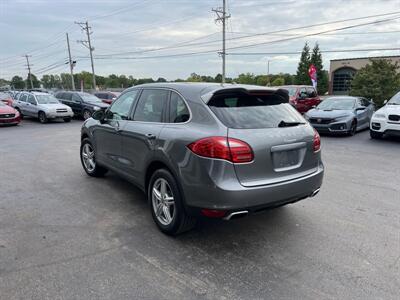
x=86 y=114
x=166 y=204
x=375 y=135
x=88 y=160
x=42 y=117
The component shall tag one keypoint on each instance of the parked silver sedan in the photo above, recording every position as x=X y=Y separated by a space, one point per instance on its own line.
x=42 y=106
x=341 y=115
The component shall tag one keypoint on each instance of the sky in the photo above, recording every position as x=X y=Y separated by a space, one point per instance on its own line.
x=127 y=35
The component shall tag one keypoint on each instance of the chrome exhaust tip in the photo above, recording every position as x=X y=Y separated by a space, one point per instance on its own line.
x=315 y=193
x=236 y=215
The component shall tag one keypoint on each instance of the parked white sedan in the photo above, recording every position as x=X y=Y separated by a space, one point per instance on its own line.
x=386 y=121
x=42 y=106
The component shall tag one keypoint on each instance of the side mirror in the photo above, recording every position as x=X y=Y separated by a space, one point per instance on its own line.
x=384 y=102
x=99 y=115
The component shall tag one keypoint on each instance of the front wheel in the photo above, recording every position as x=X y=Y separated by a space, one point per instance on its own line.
x=88 y=160
x=42 y=117
x=375 y=135
x=86 y=114
x=353 y=128
x=166 y=204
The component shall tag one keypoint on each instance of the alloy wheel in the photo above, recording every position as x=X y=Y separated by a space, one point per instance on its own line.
x=86 y=114
x=88 y=157
x=163 y=201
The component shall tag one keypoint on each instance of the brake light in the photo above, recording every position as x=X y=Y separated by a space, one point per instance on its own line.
x=317 y=141
x=220 y=147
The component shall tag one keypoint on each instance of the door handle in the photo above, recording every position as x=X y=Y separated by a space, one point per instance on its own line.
x=150 y=136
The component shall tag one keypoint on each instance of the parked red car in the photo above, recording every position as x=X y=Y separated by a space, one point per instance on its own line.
x=302 y=97
x=107 y=97
x=8 y=115
x=6 y=98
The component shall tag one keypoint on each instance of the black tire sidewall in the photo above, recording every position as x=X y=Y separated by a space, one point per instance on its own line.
x=44 y=120
x=180 y=213
x=87 y=141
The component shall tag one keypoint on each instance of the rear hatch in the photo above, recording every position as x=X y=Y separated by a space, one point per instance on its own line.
x=281 y=140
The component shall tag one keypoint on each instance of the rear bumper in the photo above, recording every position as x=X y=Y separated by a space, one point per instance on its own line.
x=233 y=196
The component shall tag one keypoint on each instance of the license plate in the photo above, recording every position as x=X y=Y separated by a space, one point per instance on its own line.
x=285 y=159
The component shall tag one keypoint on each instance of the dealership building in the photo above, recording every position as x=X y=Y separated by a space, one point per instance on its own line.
x=342 y=71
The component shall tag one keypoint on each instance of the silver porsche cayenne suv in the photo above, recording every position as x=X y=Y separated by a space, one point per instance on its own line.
x=201 y=149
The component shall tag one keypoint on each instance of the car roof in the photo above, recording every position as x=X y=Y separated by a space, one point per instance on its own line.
x=194 y=90
x=40 y=93
x=343 y=97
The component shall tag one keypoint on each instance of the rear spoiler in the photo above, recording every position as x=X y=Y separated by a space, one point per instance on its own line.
x=282 y=94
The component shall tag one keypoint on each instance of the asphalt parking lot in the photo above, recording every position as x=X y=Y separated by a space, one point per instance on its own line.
x=64 y=235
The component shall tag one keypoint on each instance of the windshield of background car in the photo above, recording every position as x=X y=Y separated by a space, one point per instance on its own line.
x=89 y=98
x=337 y=104
x=46 y=99
x=395 y=99
x=245 y=111
x=291 y=90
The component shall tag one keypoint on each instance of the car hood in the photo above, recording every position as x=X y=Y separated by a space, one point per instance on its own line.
x=389 y=110
x=99 y=104
x=54 y=106
x=7 y=110
x=328 y=114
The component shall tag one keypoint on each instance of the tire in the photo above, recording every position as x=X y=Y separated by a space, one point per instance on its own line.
x=87 y=154
x=353 y=128
x=86 y=114
x=42 y=117
x=67 y=120
x=179 y=220
x=375 y=135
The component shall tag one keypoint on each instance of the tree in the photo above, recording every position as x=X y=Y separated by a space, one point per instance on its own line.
x=378 y=80
x=278 y=81
x=18 y=83
x=161 y=79
x=304 y=63
x=322 y=78
x=194 y=78
x=35 y=81
x=248 y=78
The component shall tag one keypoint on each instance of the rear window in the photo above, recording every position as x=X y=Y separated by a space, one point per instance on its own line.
x=242 y=110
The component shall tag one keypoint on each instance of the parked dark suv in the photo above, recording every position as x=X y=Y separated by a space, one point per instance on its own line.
x=205 y=149
x=82 y=104
x=302 y=97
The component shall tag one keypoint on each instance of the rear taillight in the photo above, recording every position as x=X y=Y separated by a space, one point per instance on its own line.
x=317 y=141
x=220 y=147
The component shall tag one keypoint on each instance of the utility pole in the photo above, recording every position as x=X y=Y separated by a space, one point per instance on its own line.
x=29 y=69
x=87 y=44
x=71 y=64
x=268 y=71
x=222 y=17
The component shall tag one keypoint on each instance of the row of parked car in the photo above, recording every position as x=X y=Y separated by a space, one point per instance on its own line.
x=335 y=115
x=47 y=106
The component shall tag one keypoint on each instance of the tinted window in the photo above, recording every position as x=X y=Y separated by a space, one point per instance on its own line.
x=67 y=96
x=31 y=99
x=242 y=110
x=291 y=90
x=303 y=92
x=76 y=98
x=178 y=111
x=151 y=106
x=89 y=98
x=311 y=93
x=122 y=106
x=23 y=98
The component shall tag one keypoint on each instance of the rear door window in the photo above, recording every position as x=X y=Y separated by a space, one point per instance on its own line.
x=241 y=110
x=75 y=98
x=151 y=105
x=178 y=111
x=311 y=93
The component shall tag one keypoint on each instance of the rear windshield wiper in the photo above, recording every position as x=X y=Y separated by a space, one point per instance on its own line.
x=289 y=124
